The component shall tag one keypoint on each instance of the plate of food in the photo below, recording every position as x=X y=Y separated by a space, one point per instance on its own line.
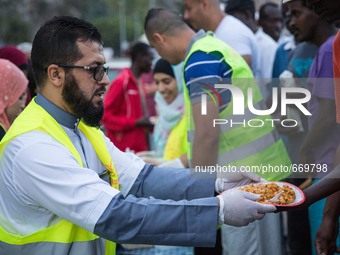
x=276 y=193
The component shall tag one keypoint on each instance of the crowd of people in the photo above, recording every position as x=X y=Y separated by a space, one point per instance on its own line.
x=93 y=166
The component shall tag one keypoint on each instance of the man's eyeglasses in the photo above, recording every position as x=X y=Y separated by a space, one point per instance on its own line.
x=98 y=71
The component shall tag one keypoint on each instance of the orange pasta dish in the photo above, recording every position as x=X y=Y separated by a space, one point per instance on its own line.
x=269 y=190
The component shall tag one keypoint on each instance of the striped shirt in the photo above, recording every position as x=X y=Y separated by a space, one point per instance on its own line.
x=201 y=73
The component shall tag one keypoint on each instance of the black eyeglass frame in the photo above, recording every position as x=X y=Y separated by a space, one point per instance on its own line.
x=97 y=70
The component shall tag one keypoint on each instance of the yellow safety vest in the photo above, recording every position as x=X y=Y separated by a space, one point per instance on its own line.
x=64 y=237
x=240 y=145
x=176 y=145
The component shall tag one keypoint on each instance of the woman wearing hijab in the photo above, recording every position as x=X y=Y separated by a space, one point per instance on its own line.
x=169 y=135
x=13 y=84
x=170 y=103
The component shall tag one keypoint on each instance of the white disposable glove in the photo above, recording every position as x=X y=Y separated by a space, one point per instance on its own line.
x=238 y=208
x=237 y=179
x=287 y=79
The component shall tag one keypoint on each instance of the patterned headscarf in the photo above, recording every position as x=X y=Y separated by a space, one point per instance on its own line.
x=13 y=84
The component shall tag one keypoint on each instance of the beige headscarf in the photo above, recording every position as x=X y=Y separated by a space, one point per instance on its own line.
x=13 y=83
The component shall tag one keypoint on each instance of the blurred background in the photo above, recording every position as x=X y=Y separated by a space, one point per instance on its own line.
x=119 y=21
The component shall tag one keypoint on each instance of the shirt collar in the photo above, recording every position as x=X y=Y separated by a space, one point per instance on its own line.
x=62 y=117
x=199 y=35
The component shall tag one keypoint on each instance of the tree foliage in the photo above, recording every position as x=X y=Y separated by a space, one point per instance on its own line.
x=20 y=19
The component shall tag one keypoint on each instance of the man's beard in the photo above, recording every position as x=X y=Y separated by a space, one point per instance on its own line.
x=80 y=105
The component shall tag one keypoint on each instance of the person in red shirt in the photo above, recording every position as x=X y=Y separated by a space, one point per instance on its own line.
x=125 y=111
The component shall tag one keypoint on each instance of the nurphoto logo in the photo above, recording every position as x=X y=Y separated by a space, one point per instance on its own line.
x=239 y=109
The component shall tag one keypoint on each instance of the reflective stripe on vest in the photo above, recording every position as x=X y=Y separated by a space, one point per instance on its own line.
x=62 y=238
x=43 y=248
x=241 y=145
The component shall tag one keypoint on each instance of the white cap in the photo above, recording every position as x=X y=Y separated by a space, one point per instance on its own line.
x=286 y=1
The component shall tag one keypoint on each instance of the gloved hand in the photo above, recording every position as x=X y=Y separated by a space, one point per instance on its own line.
x=238 y=208
x=232 y=180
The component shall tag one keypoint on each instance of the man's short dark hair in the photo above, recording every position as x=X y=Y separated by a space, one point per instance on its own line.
x=56 y=43
x=233 y=6
x=159 y=20
x=303 y=2
x=262 y=12
x=138 y=48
